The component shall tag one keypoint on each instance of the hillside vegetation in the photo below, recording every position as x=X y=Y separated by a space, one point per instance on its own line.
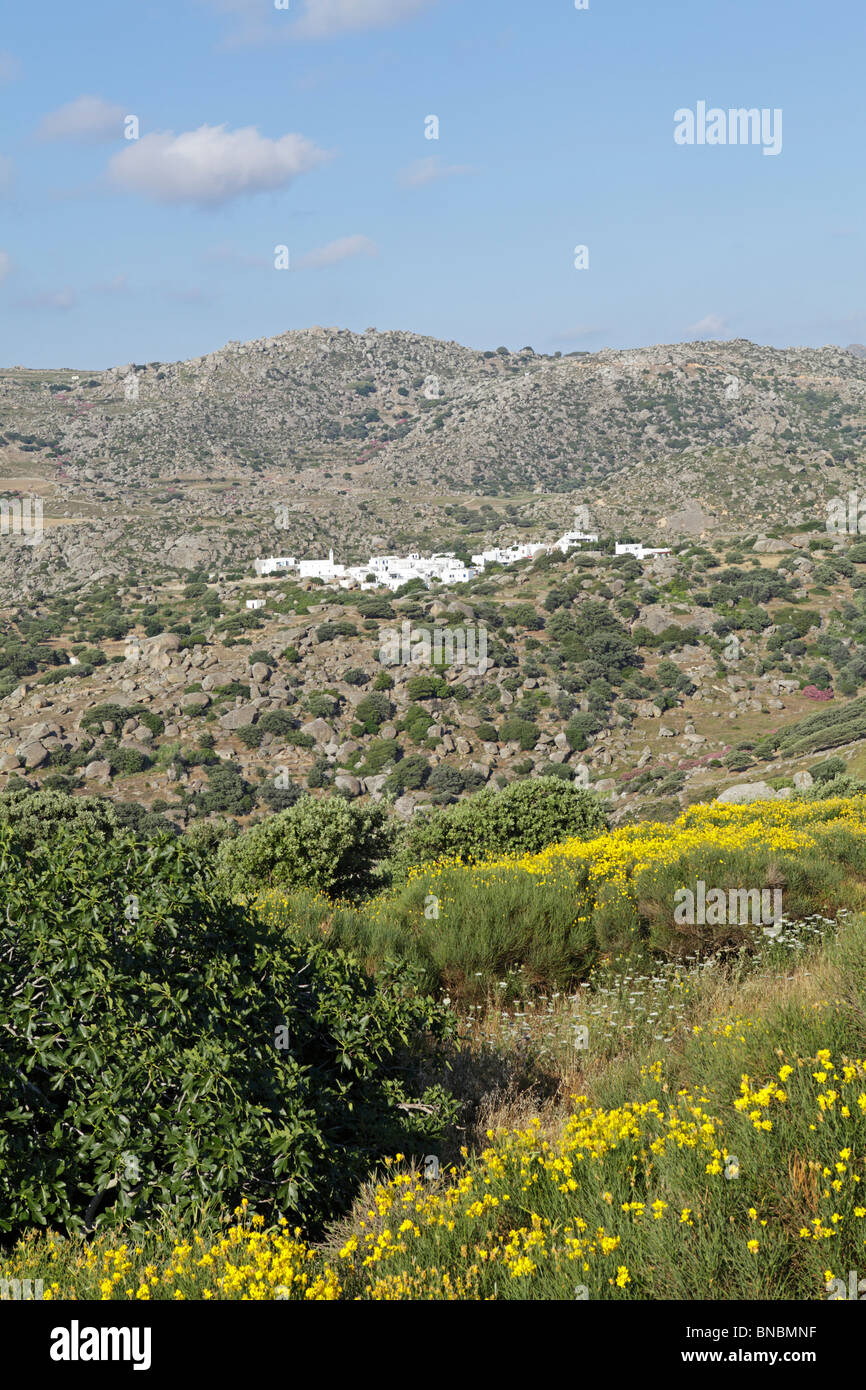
x=605 y=1108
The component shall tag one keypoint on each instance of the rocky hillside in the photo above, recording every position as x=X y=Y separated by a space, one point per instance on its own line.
x=657 y=683
x=325 y=437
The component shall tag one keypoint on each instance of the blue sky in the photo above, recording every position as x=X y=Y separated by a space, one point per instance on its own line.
x=305 y=128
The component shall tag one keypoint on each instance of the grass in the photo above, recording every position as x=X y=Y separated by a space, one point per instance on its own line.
x=541 y=922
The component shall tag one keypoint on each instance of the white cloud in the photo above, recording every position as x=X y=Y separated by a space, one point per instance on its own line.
x=712 y=326
x=431 y=170
x=87 y=118
x=212 y=165
x=324 y=19
x=318 y=19
x=61 y=300
x=5 y=264
x=337 y=251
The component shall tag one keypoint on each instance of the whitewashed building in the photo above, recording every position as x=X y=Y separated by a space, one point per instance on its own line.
x=572 y=538
x=640 y=552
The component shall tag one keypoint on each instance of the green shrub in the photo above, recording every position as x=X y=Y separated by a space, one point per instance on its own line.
x=373 y=711
x=321 y=706
x=93 y=719
x=37 y=816
x=445 y=783
x=426 y=687
x=381 y=752
x=410 y=774
x=277 y=721
x=579 y=730
x=523 y=818
x=324 y=844
x=522 y=731
x=227 y=793
x=828 y=769
x=165 y=1049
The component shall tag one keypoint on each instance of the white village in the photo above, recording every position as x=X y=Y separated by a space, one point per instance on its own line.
x=393 y=571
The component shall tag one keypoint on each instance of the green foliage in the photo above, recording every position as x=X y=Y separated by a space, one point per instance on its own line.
x=579 y=730
x=373 y=711
x=227 y=793
x=93 y=719
x=410 y=774
x=126 y=762
x=830 y=727
x=321 y=706
x=37 y=816
x=426 y=687
x=417 y=722
x=164 y=1049
x=522 y=731
x=326 y=632
x=325 y=844
x=381 y=752
x=523 y=818
x=446 y=783
x=524 y=615
x=277 y=722
x=828 y=769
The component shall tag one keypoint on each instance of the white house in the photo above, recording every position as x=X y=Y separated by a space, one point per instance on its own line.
x=275 y=563
x=640 y=552
x=576 y=538
x=255 y=603
x=321 y=569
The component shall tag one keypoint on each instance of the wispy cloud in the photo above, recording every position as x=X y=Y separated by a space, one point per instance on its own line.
x=711 y=326
x=58 y=301
x=212 y=165
x=337 y=251
x=319 y=19
x=431 y=170
x=88 y=119
x=325 y=19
